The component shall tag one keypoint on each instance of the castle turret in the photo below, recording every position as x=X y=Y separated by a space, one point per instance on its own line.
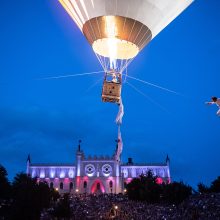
x=117 y=170
x=168 y=170
x=28 y=164
x=168 y=160
x=79 y=156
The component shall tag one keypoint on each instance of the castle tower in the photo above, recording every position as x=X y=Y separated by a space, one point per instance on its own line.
x=168 y=170
x=28 y=165
x=79 y=157
x=117 y=172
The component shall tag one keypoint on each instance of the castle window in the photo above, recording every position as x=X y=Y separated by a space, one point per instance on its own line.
x=89 y=170
x=85 y=184
x=61 y=185
x=51 y=185
x=71 y=185
x=106 y=170
x=98 y=186
x=110 y=184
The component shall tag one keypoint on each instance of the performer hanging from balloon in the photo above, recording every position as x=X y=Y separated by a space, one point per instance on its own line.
x=118 y=30
x=119 y=122
x=216 y=101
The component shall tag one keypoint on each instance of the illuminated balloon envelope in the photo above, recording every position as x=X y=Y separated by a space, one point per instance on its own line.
x=118 y=30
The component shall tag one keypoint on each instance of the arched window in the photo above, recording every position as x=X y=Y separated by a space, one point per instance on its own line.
x=110 y=184
x=85 y=184
x=61 y=185
x=71 y=185
x=51 y=185
x=98 y=186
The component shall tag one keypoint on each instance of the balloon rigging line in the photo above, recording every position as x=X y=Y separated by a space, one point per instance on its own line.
x=126 y=65
x=71 y=75
x=126 y=74
x=147 y=97
x=154 y=85
x=101 y=61
x=93 y=85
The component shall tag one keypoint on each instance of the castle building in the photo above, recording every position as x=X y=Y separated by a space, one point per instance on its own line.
x=95 y=174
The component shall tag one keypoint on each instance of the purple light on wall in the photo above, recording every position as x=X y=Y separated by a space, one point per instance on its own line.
x=71 y=173
x=62 y=174
x=125 y=173
x=42 y=174
x=33 y=173
x=66 y=180
x=128 y=180
x=52 y=173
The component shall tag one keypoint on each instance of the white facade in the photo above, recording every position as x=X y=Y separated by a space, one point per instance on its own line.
x=94 y=174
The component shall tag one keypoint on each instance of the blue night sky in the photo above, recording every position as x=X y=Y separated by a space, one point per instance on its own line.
x=46 y=118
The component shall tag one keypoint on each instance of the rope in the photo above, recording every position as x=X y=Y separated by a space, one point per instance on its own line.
x=154 y=85
x=126 y=74
x=72 y=75
x=150 y=99
x=93 y=85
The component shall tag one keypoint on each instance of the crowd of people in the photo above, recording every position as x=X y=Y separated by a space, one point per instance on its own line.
x=199 y=206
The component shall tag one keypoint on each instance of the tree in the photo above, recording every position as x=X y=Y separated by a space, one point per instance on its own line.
x=62 y=209
x=144 y=188
x=5 y=193
x=176 y=192
x=29 y=197
x=203 y=188
x=44 y=195
x=54 y=195
x=152 y=190
x=4 y=183
x=134 y=189
x=215 y=185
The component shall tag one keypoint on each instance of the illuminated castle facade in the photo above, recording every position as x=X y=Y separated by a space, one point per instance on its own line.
x=95 y=174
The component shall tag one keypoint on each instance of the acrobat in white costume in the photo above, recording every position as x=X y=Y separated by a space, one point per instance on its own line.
x=216 y=101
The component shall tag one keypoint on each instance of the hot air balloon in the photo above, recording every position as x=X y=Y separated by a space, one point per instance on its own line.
x=118 y=30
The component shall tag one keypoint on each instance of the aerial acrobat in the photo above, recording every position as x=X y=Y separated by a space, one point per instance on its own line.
x=215 y=101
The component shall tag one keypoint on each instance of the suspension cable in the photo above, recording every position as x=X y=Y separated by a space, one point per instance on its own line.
x=147 y=97
x=71 y=75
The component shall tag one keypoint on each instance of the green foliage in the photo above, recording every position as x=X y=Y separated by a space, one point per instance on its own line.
x=134 y=189
x=176 y=192
x=144 y=188
x=5 y=193
x=62 y=208
x=44 y=196
x=25 y=203
x=203 y=188
x=54 y=195
x=4 y=184
x=215 y=185
x=29 y=197
x=214 y=188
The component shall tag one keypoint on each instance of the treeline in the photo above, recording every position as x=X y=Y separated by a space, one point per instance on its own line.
x=146 y=188
x=24 y=198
